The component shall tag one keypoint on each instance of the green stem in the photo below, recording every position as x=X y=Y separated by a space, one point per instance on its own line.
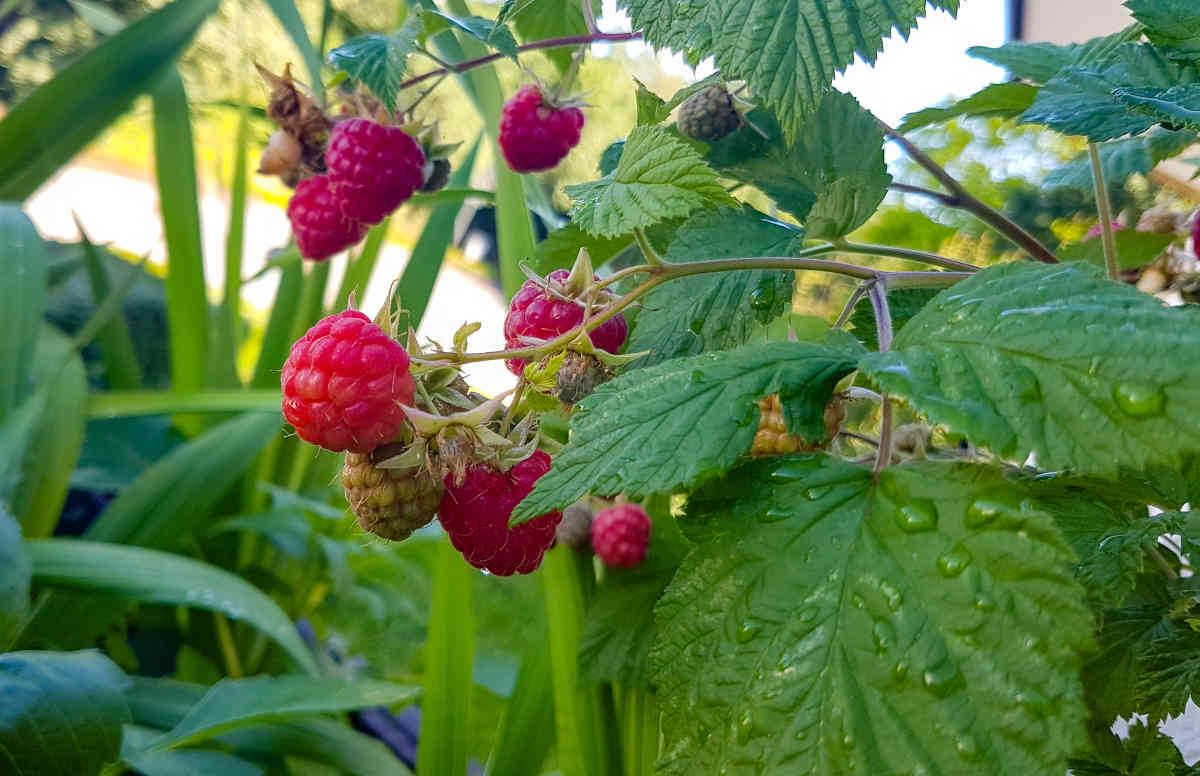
x=233 y=665
x=1105 y=208
x=883 y=324
x=652 y=257
x=905 y=253
x=663 y=273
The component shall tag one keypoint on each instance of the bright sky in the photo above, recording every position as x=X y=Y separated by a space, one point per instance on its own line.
x=909 y=75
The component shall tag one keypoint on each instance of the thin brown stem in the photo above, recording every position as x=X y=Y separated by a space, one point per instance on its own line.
x=905 y=253
x=949 y=200
x=569 y=40
x=969 y=202
x=851 y=303
x=589 y=16
x=1105 y=209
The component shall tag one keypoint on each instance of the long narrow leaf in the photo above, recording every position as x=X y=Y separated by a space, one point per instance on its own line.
x=165 y=505
x=234 y=703
x=127 y=404
x=527 y=729
x=187 y=297
x=358 y=270
x=151 y=576
x=275 y=342
x=229 y=320
x=49 y=127
x=285 y=11
x=121 y=368
x=578 y=712
x=449 y=650
x=22 y=293
x=425 y=262
x=57 y=438
x=14 y=579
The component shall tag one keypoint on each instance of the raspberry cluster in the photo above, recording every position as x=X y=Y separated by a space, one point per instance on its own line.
x=772 y=437
x=537 y=313
x=371 y=170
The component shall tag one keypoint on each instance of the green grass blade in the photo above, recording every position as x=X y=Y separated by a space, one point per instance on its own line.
x=513 y=225
x=229 y=319
x=234 y=703
x=127 y=404
x=285 y=11
x=151 y=576
x=57 y=439
x=23 y=263
x=49 y=127
x=449 y=652
x=425 y=262
x=275 y=344
x=121 y=368
x=579 y=715
x=358 y=271
x=312 y=300
x=527 y=730
x=166 y=504
x=187 y=297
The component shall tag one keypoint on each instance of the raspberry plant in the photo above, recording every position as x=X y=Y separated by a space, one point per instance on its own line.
x=945 y=532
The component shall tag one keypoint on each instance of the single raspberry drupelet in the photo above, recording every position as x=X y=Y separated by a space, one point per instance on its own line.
x=318 y=225
x=621 y=534
x=535 y=135
x=772 y=437
x=708 y=114
x=343 y=384
x=475 y=514
x=534 y=312
x=375 y=168
x=391 y=503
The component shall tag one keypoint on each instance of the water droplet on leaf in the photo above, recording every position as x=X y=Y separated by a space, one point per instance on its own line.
x=942 y=679
x=774 y=515
x=953 y=562
x=967 y=747
x=748 y=632
x=885 y=636
x=817 y=493
x=790 y=472
x=763 y=297
x=895 y=599
x=917 y=516
x=1140 y=400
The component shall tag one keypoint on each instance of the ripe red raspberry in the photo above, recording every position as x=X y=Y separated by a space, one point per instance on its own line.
x=1196 y=234
x=621 y=534
x=475 y=514
x=534 y=135
x=343 y=384
x=376 y=168
x=318 y=225
x=533 y=312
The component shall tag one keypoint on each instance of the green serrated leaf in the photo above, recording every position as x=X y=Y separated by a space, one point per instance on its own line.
x=1177 y=106
x=611 y=157
x=705 y=404
x=787 y=50
x=1080 y=100
x=1121 y=159
x=651 y=109
x=1039 y=62
x=1004 y=100
x=1091 y=375
x=1170 y=674
x=903 y=304
x=721 y=310
x=1173 y=24
x=832 y=177
x=1110 y=539
x=658 y=178
x=379 y=61
x=1145 y=752
x=486 y=31
x=834 y=616
x=62 y=712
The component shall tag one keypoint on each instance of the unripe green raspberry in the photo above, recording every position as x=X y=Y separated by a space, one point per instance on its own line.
x=708 y=114
x=391 y=503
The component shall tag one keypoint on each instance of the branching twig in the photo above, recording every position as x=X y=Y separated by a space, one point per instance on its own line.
x=969 y=202
x=570 y=40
